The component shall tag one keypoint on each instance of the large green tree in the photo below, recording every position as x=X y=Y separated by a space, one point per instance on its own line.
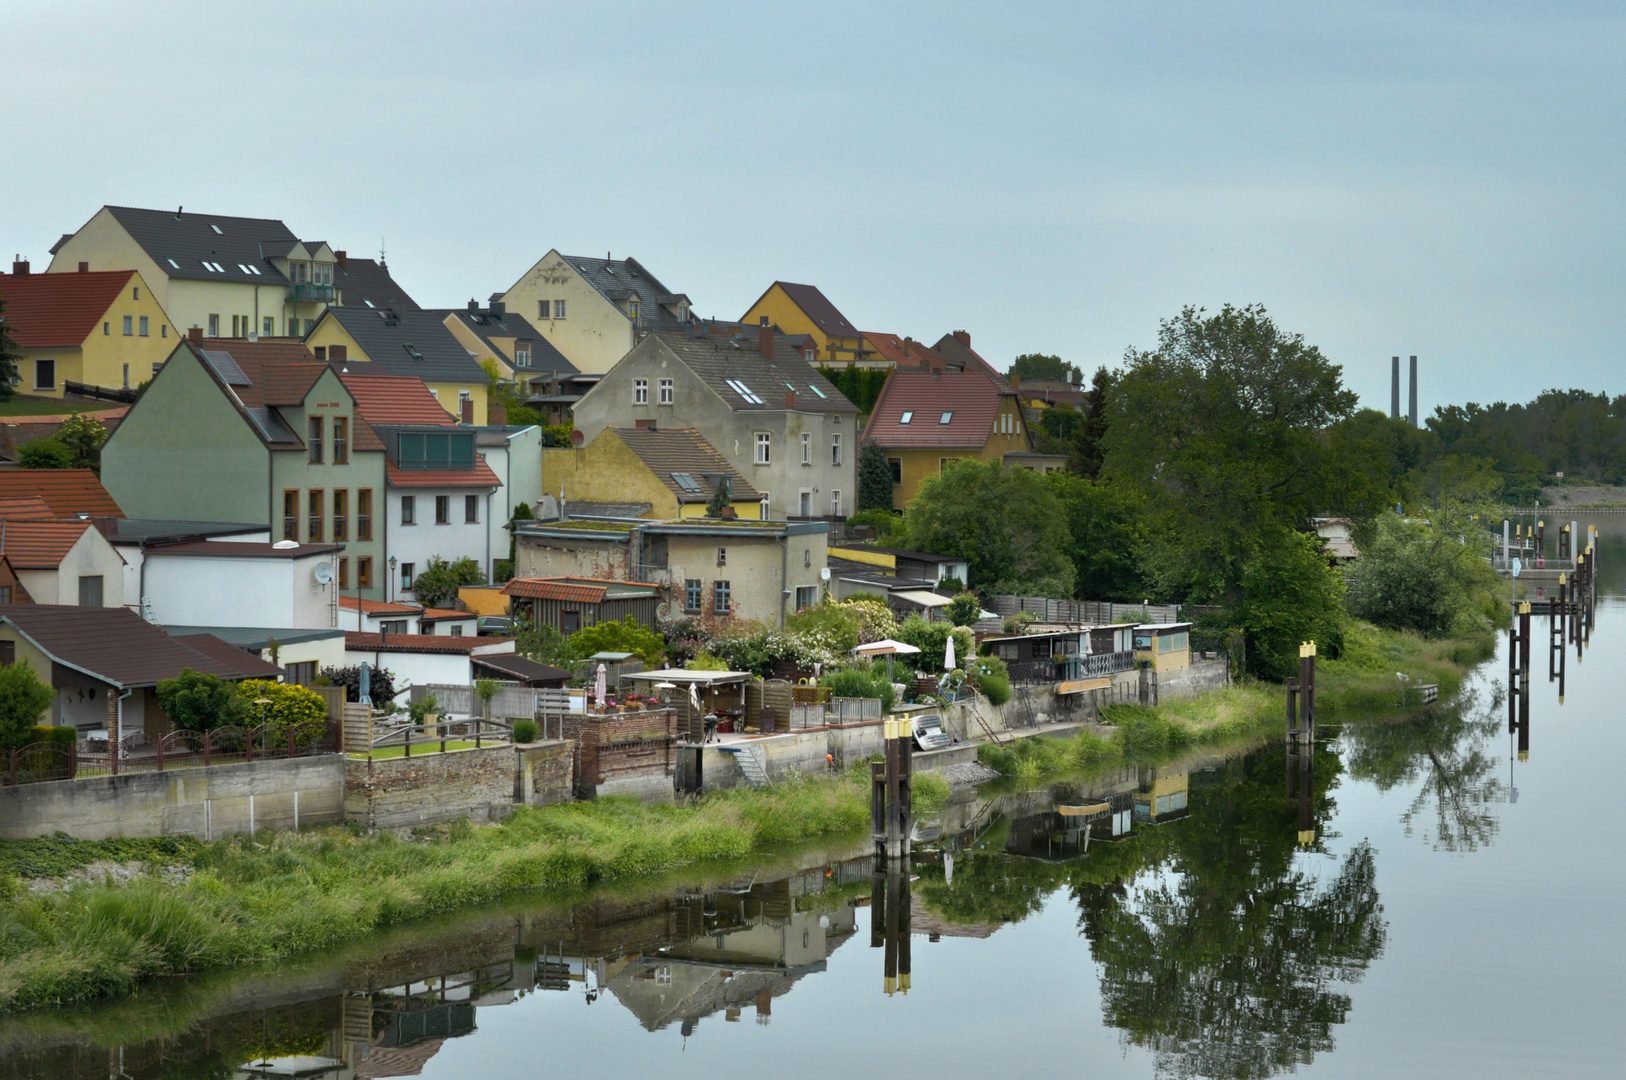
x=10 y=356
x=874 y=478
x=1043 y=366
x=1108 y=527
x=1007 y=523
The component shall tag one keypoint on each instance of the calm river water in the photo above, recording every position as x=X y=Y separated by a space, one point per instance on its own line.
x=1457 y=911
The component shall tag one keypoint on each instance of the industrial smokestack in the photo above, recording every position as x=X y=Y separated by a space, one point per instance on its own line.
x=1394 y=391
x=1411 y=409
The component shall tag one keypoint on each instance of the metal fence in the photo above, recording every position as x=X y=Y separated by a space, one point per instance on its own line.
x=1061 y=668
x=1084 y=612
x=835 y=712
x=38 y=762
x=443 y=736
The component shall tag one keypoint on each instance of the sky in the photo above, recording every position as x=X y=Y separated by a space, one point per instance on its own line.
x=1422 y=178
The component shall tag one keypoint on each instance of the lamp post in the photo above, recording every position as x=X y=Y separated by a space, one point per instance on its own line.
x=389 y=589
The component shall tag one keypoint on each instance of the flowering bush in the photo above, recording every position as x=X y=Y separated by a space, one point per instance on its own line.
x=291 y=710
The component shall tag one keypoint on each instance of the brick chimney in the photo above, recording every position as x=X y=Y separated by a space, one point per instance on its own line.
x=790 y=399
x=84 y=268
x=499 y=415
x=195 y=335
x=338 y=352
x=344 y=259
x=19 y=265
x=468 y=412
x=963 y=337
x=764 y=335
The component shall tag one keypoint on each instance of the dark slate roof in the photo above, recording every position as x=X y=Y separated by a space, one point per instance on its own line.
x=119 y=647
x=675 y=453
x=522 y=667
x=179 y=243
x=816 y=306
x=618 y=279
x=545 y=359
x=716 y=359
x=960 y=354
x=385 y=333
x=363 y=280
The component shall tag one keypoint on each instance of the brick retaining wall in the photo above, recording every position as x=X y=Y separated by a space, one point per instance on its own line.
x=397 y=793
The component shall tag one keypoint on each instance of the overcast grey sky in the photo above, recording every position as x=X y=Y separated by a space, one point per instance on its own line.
x=1439 y=179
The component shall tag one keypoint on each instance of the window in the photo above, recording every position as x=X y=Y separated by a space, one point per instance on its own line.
x=807 y=448
x=471 y=509
x=163 y=330
x=570 y=621
x=522 y=354
x=45 y=374
x=722 y=556
x=293 y=327
x=214 y=326
x=341 y=440
x=407 y=574
x=290 y=515
x=341 y=516
x=542 y=309
x=107 y=328
x=896 y=465
x=946 y=417
x=141 y=326
x=666 y=392
x=692 y=590
x=268 y=327
x=301 y=674
x=558 y=309
x=127 y=376
x=632 y=309
x=744 y=391
x=806 y=596
x=310 y=324
x=464 y=400
x=344 y=574
x=457 y=630
x=314 y=443
x=8 y=650
x=835 y=504
x=409 y=509
x=1009 y=650
x=128 y=326
x=135 y=293
x=835 y=449
x=944 y=462
x=640 y=391
x=314 y=502
x=719 y=597
x=364 y=514
x=90 y=590
x=764 y=448
x=805 y=504
x=762 y=320
x=443 y=509
x=907 y=417
x=364 y=573
x=436 y=450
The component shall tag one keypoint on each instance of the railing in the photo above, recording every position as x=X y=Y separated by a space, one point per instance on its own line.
x=834 y=712
x=41 y=761
x=1086 y=612
x=97 y=393
x=304 y=293
x=290 y=528
x=1106 y=663
x=480 y=731
x=364 y=526
x=218 y=746
x=1060 y=668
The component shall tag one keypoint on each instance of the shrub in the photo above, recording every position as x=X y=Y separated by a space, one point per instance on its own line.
x=861 y=682
x=964 y=609
x=931 y=638
x=525 y=731
x=195 y=701
x=437 y=584
x=292 y=711
x=380 y=683
x=704 y=661
x=45 y=454
x=23 y=697
x=419 y=708
x=997 y=688
x=624 y=636
x=828 y=626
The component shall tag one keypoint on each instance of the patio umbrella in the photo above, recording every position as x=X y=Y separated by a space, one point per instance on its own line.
x=887 y=646
x=599 y=686
x=948 y=654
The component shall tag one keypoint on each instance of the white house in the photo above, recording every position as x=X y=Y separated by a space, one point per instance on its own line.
x=375 y=616
x=64 y=562
x=514 y=454
x=231 y=583
x=418 y=659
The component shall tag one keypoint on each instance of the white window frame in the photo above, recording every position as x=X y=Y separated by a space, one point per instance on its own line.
x=807 y=448
x=640 y=391
x=558 y=309
x=835 y=503
x=835 y=448
x=668 y=392
x=804 y=503
x=764 y=448
x=907 y=417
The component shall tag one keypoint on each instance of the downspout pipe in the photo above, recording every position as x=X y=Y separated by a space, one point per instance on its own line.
x=784 y=575
x=118 y=736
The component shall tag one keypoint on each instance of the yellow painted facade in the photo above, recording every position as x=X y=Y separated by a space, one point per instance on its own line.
x=330 y=332
x=480 y=350
x=594 y=333
x=783 y=312
x=866 y=555
x=917 y=464
x=606 y=470
x=108 y=357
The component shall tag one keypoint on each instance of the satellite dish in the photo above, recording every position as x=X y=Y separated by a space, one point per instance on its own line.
x=323 y=572
x=577 y=437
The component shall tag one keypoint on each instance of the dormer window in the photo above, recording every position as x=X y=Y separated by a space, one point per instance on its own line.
x=632 y=308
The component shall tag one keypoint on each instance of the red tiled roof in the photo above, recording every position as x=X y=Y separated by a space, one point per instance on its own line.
x=57 y=311
x=66 y=491
x=442 y=643
x=378 y=607
x=23 y=507
x=40 y=545
x=394 y=399
x=542 y=589
x=435 y=614
x=905 y=352
x=969 y=397
x=479 y=476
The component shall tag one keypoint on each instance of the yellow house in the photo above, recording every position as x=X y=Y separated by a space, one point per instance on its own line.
x=1166 y=646
x=927 y=420
x=407 y=342
x=594 y=311
x=509 y=341
x=101 y=329
x=803 y=309
x=672 y=471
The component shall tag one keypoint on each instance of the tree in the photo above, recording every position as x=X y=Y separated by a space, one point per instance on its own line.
x=83 y=436
x=10 y=356
x=1290 y=595
x=964 y=609
x=612 y=636
x=543 y=643
x=380 y=683
x=47 y=453
x=195 y=701
x=1093 y=441
x=721 y=498
x=437 y=583
x=23 y=701
x=1007 y=523
x=486 y=689
x=291 y=711
x=1413 y=576
x=874 y=478
x=1030 y=366
x=1109 y=530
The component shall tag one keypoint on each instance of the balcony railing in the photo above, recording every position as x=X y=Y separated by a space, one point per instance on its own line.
x=1060 y=668
x=290 y=528
x=340 y=527
x=310 y=294
x=364 y=526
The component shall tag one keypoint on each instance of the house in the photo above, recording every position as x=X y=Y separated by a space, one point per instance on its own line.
x=511 y=667
x=218 y=274
x=948 y=571
x=63 y=562
x=17 y=432
x=513 y=452
x=1047 y=644
x=570 y=604
x=133 y=538
x=376 y=616
x=555 y=396
x=504 y=337
x=1165 y=646
x=219 y=582
x=105 y=664
x=84 y=329
x=803 y=309
x=449 y=622
x=1048 y=393
x=67 y=492
x=673 y=471
x=927 y=420
x=1337 y=535
x=302 y=654
x=400 y=342
x=890 y=350
x=417 y=659
x=594 y=310
x=12 y=589
x=750 y=570
x=753 y=397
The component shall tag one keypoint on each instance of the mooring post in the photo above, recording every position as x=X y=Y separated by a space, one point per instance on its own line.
x=1306 y=798
x=1524 y=643
x=1292 y=710
x=890 y=976
x=902 y=905
x=906 y=787
x=1306 y=728
x=877 y=905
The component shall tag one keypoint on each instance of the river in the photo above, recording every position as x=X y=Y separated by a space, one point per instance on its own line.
x=1451 y=910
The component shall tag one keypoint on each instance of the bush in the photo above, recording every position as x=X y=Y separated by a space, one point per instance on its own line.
x=931 y=638
x=418 y=709
x=612 y=636
x=704 y=661
x=861 y=682
x=828 y=626
x=1411 y=576
x=293 y=711
x=436 y=584
x=964 y=609
x=195 y=701
x=45 y=454
x=525 y=731
x=23 y=697
x=997 y=688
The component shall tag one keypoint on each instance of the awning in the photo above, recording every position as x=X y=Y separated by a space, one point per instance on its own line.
x=924 y=599
x=685 y=677
x=886 y=645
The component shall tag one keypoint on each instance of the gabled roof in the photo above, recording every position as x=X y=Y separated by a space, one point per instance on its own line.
x=260 y=376
x=180 y=243
x=545 y=359
x=816 y=306
x=377 y=607
x=956 y=351
x=59 y=311
x=359 y=281
x=39 y=545
x=678 y=454
x=546 y=589
x=25 y=507
x=618 y=279
x=969 y=398
x=67 y=492
x=117 y=646
x=726 y=364
x=391 y=399
x=905 y=352
x=415 y=343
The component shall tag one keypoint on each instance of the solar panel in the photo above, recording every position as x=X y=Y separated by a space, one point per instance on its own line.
x=225 y=367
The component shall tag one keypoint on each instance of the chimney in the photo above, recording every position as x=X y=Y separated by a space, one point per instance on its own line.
x=790 y=399
x=499 y=415
x=1394 y=391
x=1015 y=381
x=764 y=338
x=474 y=305
x=648 y=424
x=338 y=352
x=498 y=308
x=963 y=337
x=468 y=411
x=84 y=268
x=195 y=335
x=19 y=265
x=178 y=210
x=1411 y=411
x=344 y=259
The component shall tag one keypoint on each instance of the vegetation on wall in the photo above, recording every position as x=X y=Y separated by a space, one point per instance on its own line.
x=861 y=386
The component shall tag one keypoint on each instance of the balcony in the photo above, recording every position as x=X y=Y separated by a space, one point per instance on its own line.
x=310 y=294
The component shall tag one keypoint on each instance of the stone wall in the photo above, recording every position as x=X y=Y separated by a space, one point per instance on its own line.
x=398 y=793
x=624 y=753
x=542 y=775
x=203 y=802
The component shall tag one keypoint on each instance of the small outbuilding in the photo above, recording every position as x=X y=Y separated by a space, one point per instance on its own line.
x=1166 y=646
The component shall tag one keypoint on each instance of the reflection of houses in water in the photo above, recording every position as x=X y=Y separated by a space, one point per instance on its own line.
x=1161 y=798
x=1059 y=823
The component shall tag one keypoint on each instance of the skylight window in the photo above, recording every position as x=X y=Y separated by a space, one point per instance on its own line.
x=369 y=303
x=908 y=415
x=816 y=390
x=412 y=350
x=945 y=418
x=214 y=266
x=175 y=264
x=216 y=228
x=744 y=391
x=687 y=483
x=244 y=268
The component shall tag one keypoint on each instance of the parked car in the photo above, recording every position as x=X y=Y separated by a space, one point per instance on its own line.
x=495 y=626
